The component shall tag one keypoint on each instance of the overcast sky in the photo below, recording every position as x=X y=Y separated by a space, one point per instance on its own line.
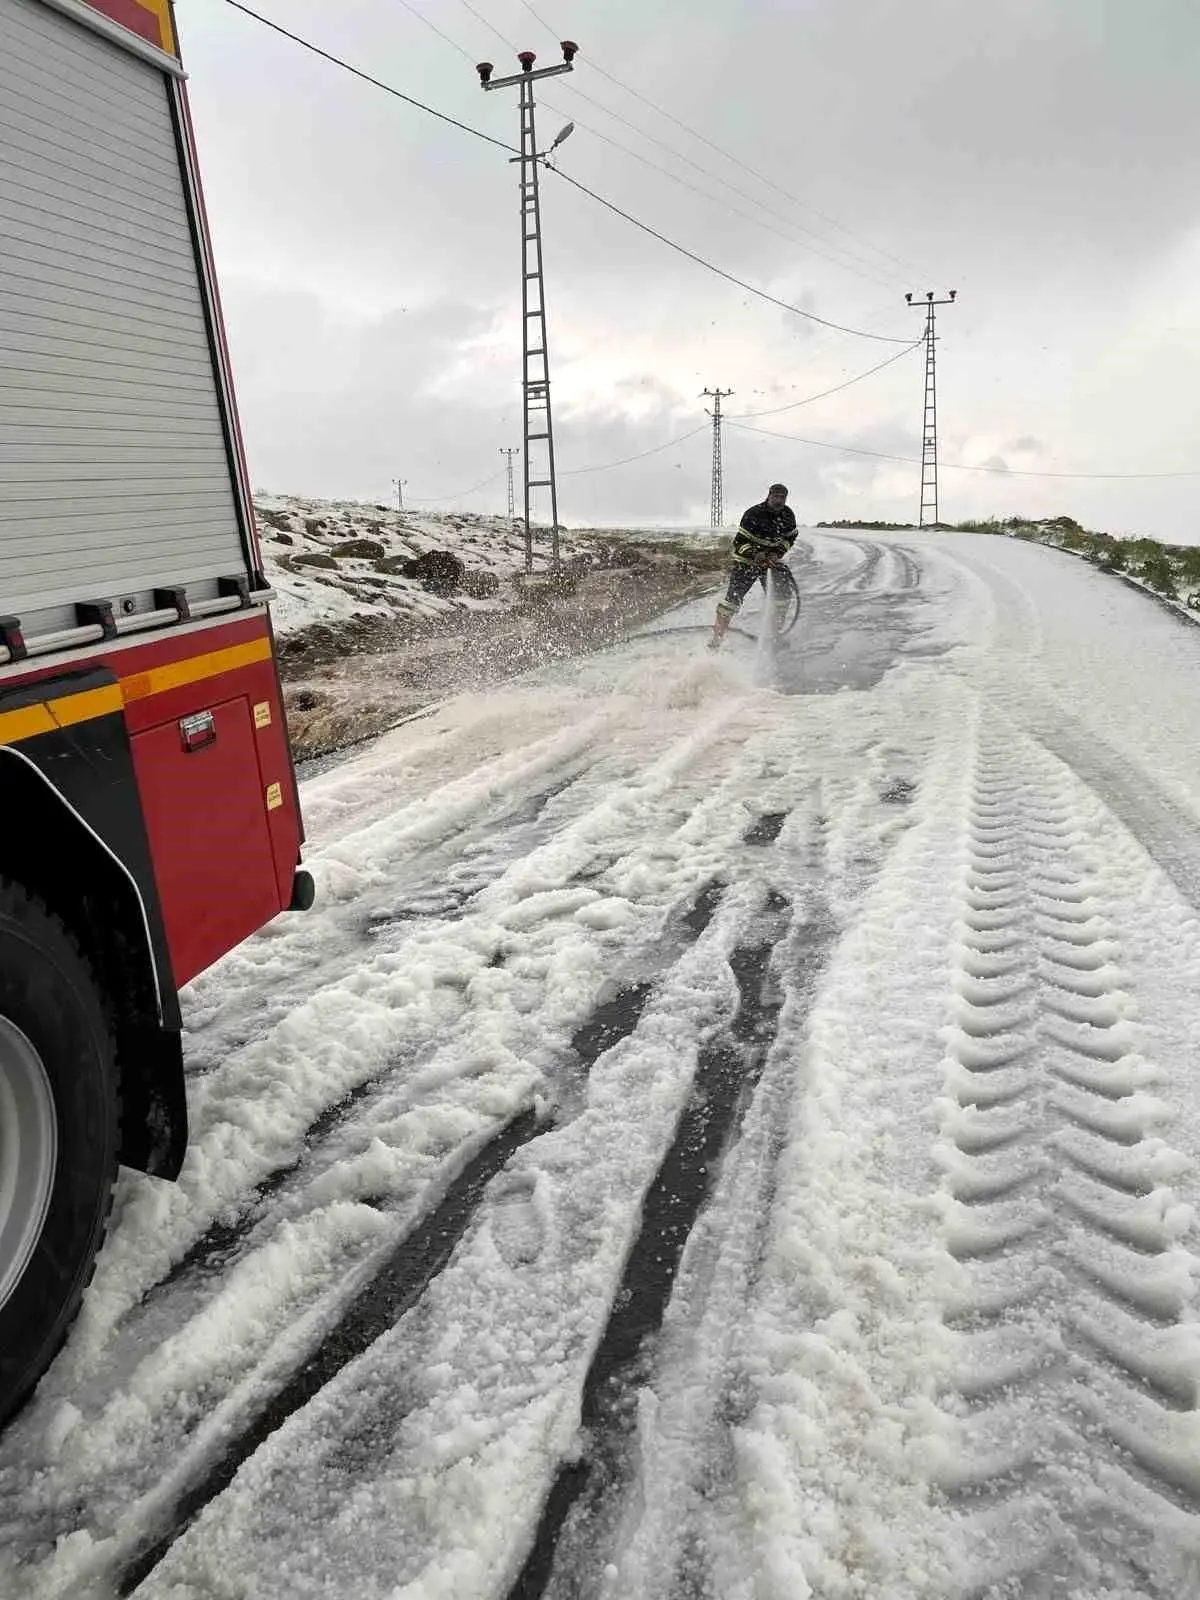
x=1042 y=157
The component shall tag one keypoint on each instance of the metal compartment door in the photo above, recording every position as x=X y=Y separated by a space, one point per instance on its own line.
x=206 y=816
x=115 y=475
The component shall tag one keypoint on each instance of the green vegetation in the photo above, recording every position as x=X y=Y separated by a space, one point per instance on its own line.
x=871 y=527
x=1171 y=570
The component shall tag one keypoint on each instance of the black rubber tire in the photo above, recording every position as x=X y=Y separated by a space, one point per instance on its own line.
x=48 y=991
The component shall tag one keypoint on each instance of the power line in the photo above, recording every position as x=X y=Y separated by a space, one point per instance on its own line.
x=795 y=237
x=603 y=466
x=491 y=26
x=695 y=188
x=457 y=494
x=754 y=173
x=957 y=466
x=825 y=393
x=758 y=221
x=377 y=83
x=433 y=28
x=682 y=250
x=726 y=154
x=607 y=466
x=862 y=269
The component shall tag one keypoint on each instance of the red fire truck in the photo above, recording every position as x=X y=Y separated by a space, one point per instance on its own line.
x=148 y=811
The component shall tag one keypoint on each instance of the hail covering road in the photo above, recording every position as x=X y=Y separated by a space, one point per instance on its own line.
x=730 y=1129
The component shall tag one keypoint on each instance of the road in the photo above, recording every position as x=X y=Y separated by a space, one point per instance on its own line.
x=729 y=1130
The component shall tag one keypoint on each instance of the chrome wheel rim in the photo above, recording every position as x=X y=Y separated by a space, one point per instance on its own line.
x=28 y=1154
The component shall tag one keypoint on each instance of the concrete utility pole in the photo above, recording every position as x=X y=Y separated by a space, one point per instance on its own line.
x=539 y=426
x=929 y=483
x=718 y=481
x=508 y=455
x=398 y=485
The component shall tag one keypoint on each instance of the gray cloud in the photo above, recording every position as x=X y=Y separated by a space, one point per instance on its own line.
x=1047 y=167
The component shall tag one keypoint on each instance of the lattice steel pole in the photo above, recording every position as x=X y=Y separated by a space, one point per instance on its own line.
x=718 y=476
x=929 y=475
x=508 y=461
x=535 y=344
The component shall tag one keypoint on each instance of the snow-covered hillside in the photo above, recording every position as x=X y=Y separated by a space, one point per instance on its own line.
x=330 y=561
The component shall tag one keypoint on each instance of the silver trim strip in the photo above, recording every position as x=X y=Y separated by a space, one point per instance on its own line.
x=217 y=606
x=141 y=622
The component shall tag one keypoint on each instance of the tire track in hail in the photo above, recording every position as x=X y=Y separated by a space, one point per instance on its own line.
x=602 y=1501
x=727 y=1073
x=440 y=884
x=1066 y=1386
x=212 y=1423
x=605 y=828
x=852 y=578
x=387 y=1286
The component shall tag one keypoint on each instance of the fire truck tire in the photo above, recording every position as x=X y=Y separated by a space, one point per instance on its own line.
x=59 y=1137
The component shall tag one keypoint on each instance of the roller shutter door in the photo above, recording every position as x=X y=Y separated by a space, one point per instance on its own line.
x=114 y=470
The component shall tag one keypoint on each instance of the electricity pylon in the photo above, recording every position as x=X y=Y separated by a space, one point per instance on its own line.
x=718 y=477
x=929 y=478
x=535 y=344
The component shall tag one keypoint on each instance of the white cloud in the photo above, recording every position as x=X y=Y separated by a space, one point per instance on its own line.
x=1049 y=170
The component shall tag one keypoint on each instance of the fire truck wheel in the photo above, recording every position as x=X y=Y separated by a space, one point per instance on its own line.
x=59 y=1136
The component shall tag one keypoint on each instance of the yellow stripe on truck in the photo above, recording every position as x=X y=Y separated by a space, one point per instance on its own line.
x=60 y=712
x=65 y=710
x=162 y=10
x=176 y=674
x=25 y=723
x=90 y=703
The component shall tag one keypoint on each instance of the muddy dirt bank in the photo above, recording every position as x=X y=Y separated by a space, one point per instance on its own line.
x=348 y=681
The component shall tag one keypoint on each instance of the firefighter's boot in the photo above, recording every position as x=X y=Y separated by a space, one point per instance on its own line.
x=720 y=629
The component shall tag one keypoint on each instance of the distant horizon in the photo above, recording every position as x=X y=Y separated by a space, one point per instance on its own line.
x=646 y=525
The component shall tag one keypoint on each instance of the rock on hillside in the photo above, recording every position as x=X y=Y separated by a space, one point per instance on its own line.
x=330 y=561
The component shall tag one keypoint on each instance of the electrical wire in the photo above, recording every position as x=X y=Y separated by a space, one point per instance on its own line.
x=433 y=28
x=955 y=466
x=377 y=83
x=458 y=494
x=570 y=472
x=720 y=272
x=824 y=444
x=686 y=183
x=854 y=263
x=728 y=155
x=609 y=205
x=863 y=269
x=778 y=232
x=607 y=466
x=825 y=393
x=491 y=26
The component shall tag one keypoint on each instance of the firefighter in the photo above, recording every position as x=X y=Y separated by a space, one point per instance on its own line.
x=765 y=535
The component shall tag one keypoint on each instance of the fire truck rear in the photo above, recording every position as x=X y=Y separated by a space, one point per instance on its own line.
x=148 y=809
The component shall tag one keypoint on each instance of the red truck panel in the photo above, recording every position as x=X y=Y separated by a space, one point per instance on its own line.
x=229 y=876
x=149 y=19
x=207 y=822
